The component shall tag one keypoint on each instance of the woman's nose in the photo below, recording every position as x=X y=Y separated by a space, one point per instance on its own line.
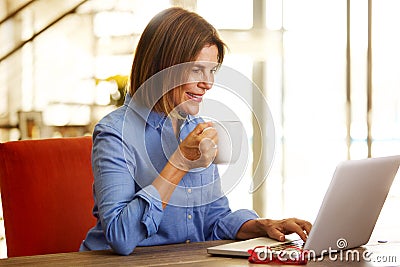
x=206 y=85
x=207 y=81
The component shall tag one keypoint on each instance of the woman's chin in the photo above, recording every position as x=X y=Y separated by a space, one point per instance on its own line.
x=193 y=110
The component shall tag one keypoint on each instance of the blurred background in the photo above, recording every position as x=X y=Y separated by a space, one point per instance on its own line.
x=329 y=70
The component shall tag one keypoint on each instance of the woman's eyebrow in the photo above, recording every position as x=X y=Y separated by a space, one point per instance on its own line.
x=203 y=66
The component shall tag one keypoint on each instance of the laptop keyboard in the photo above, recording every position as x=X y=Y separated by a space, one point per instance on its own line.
x=294 y=243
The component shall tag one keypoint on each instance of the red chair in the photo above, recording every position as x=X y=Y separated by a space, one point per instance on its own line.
x=46 y=191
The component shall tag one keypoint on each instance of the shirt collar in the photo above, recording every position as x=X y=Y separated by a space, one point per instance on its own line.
x=154 y=119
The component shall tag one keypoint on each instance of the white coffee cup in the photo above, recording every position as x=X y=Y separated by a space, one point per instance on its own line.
x=229 y=141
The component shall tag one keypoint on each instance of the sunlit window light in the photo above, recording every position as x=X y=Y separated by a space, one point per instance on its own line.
x=133 y=21
x=227 y=14
x=358 y=130
x=103 y=90
x=358 y=150
x=114 y=24
x=385 y=148
x=27 y=25
x=107 y=66
x=4 y=106
x=27 y=78
x=273 y=14
x=66 y=114
x=79 y=115
x=57 y=115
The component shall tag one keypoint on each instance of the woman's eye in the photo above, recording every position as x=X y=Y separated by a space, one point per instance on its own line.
x=196 y=70
x=213 y=71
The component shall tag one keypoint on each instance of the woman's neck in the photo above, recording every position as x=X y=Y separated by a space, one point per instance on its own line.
x=176 y=125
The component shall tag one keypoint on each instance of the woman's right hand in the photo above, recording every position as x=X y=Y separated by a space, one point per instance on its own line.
x=198 y=149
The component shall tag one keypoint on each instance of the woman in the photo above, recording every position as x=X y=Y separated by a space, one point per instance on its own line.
x=152 y=158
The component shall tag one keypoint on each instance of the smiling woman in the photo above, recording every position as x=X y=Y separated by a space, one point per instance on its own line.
x=163 y=51
x=154 y=178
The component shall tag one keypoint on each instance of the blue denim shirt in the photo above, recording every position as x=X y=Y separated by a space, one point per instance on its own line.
x=131 y=146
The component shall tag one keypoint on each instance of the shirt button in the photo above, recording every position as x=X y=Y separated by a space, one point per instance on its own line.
x=190 y=216
x=189 y=190
x=188 y=241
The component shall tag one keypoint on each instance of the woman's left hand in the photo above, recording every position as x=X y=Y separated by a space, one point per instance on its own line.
x=276 y=229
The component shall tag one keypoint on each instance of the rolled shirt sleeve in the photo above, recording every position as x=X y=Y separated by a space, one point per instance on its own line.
x=127 y=213
x=153 y=212
x=228 y=226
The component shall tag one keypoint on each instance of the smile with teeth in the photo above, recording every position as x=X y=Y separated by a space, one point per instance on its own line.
x=195 y=97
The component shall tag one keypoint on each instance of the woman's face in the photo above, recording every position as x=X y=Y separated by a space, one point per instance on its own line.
x=187 y=98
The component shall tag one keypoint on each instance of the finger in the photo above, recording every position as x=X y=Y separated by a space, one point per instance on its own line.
x=276 y=234
x=298 y=227
x=307 y=227
x=209 y=125
x=201 y=127
x=301 y=233
x=208 y=145
x=209 y=132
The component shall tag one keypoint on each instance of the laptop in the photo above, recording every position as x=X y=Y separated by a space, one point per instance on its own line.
x=348 y=212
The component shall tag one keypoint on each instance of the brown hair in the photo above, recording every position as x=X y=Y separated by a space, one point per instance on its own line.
x=173 y=36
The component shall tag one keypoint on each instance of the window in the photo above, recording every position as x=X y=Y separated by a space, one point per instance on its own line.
x=239 y=17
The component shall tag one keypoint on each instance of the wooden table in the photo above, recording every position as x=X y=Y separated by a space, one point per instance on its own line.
x=191 y=254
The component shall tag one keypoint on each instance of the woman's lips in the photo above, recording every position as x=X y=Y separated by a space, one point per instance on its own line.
x=195 y=97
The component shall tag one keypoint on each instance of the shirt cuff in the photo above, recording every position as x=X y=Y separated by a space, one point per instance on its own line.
x=153 y=212
x=231 y=224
